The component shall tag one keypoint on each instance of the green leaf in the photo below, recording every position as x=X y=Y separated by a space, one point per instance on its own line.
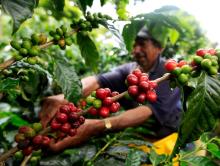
x=116 y=33
x=198 y=161
x=88 y=50
x=133 y=158
x=156 y=159
x=67 y=79
x=20 y=10
x=174 y=35
x=84 y=3
x=130 y=32
x=58 y=4
x=136 y=142
x=213 y=149
x=203 y=109
x=9 y=86
x=205 y=137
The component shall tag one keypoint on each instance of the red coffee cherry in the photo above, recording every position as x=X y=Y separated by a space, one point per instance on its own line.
x=55 y=125
x=152 y=84
x=133 y=90
x=170 y=65
x=73 y=116
x=114 y=93
x=141 y=98
x=75 y=125
x=61 y=117
x=137 y=73
x=144 y=85
x=144 y=77
x=81 y=119
x=72 y=132
x=93 y=111
x=151 y=96
x=107 y=101
x=27 y=151
x=107 y=91
x=46 y=141
x=212 y=51
x=181 y=63
x=132 y=79
x=114 y=107
x=37 y=140
x=201 y=52
x=64 y=109
x=104 y=112
x=66 y=128
x=101 y=93
x=72 y=107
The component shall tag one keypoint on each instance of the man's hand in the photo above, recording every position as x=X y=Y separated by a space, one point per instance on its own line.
x=49 y=108
x=90 y=128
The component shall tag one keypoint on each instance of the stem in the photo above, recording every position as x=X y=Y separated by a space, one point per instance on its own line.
x=47 y=44
x=26 y=159
x=45 y=131
x=105 y=147
x=119 y=96
x=7 y=154
x=165 y=77
x=7 y=63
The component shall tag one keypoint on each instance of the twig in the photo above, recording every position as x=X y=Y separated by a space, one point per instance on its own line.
x=166 y=76
x=119 y=96
x=47 y=44
x=9 y=153
x=26 y=159
x=7 y=63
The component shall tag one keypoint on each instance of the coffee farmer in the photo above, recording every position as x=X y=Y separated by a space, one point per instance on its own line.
x=166 y=110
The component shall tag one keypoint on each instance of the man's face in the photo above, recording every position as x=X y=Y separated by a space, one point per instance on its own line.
x=145 y=53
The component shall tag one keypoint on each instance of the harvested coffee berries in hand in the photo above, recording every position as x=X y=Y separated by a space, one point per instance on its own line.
x=101 y=103
x=140 y=87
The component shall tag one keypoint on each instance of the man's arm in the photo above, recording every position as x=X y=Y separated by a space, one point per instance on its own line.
x=89 y=84
x=91 y=127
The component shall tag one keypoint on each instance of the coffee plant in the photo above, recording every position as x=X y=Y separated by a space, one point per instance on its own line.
x=37 y=67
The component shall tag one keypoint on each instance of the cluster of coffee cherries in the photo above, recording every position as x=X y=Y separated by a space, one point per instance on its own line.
x=207 y=60
x=204 y=60
x=181 y=71
x=67 y=120
x=91 y=21
x=140 y=87
x=61 y=37
x=101 y=103
x=29 y=139
x=28 y=47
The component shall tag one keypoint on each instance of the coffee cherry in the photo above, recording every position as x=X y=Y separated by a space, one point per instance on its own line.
x=181 y=63
x=141 y=98
x=34 y=51
x=35 y=38
x=15 y=45
x=43 y=39
x=108 y=92
x=23 y=51
x=144 y=85
x=65 y=127
x=65 y=109
x=81 y=119
x=72 y=107
x=104 y=112
x=101 y=93
x=75 y=125
x=197 y=59
x=46 y=141
x=90 y=99
x=37 y=127
x=55 y=125
x=133 y=90
x=137 y=73
x=212 y=51
x=61 y=43
x=186 y=69
x=73 y=116
x=61 y=117
x=27 y=151
x=19 y=137
x=183 y=78
x=93 y=111
x=213 y=70
x=151 y=96
x=97 y=103
x=114 y=107
x=176 y=72
x=72 y=132
x=26 y=44
x=143 y=78
x=170 y=65
x=107 y=101
x=114 y=93
x=18 y=155
x=206 y=63
x=37 y=140
x=201 y=52
x=29 y=133
x=132 y=79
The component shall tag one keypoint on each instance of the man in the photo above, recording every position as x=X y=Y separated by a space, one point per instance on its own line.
x=166 y=110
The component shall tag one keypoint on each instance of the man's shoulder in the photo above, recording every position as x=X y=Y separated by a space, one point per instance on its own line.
x=129 y=66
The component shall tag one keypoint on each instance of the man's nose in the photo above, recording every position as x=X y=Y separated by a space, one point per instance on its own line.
x=136 y=50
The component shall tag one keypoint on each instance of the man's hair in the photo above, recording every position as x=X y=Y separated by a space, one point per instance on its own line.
x=144 y=34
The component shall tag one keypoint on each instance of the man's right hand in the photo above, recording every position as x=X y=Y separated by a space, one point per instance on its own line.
x=50 y=106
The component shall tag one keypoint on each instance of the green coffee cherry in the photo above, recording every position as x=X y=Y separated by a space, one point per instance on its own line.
x=183 y=78
x=206 y=63
x=23 y=51
x=15 y=45
x=176 y=71
x=37 y=127
x=97 y=103
x=213 y=70
x=68 y=41
x=35 y=38
x=26 y=44
x=34 y=51
x=59 y=31
x=186 y=69
x=43 y=39
x=90 y=99
x=63 y=28
x=197 y=59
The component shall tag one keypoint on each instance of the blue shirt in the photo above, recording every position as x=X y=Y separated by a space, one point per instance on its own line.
x=166 y=109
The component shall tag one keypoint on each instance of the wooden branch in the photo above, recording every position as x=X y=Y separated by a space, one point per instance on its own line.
x=8 y=154
x=7 y=63
x=26 y=159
